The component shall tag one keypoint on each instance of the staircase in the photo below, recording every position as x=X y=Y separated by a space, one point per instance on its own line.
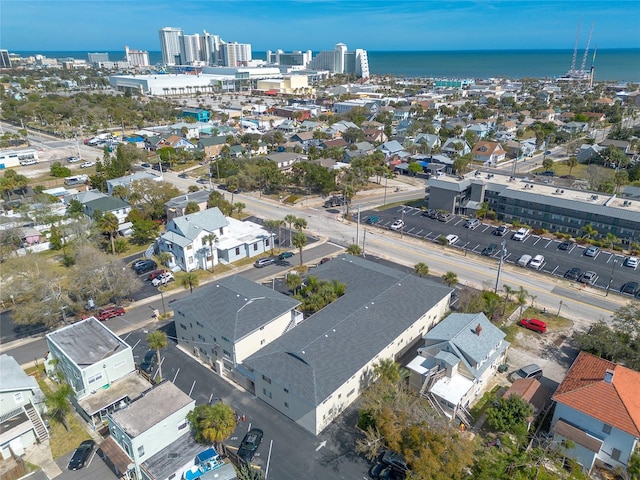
x=464 y=416
x=150 y=250
x=41 y=430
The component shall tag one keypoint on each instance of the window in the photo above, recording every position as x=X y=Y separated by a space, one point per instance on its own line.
x=267 y=242
x=237 y=250
x=120 y=364
x=94 y=378
x=266 y=379
x=262 y=341
x=226 y=354
x=17 y=397
x=141 y=451
x=286 y=405
x=225 y=339
x=606 y=428
x=255 y=247
x=182 y=425
x=266 y=393
x=615 y=454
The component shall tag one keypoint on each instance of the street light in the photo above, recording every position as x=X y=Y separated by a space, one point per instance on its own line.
x=503 y=251
x=613 y=266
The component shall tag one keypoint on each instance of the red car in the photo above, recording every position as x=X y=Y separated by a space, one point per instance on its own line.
x=110 y=312
x=156 y=273
x=534 y=324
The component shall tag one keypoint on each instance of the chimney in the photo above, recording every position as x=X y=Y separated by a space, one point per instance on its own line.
x=478 y=329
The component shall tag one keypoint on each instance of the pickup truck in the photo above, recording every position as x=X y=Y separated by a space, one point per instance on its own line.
x=521 y=234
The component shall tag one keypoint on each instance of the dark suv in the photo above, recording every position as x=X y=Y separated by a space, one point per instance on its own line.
x=144 y=266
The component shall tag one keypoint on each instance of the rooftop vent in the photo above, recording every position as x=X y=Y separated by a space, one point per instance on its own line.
x=594 y=197
x=627 y=203
x=608 y=376
x=478 y=329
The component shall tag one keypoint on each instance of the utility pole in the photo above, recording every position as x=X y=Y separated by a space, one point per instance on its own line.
x=615 y=261
x=364 y=239
x=502 y=252
x=358 y=228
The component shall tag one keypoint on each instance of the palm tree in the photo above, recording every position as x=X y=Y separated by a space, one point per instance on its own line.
x=354 y=249
x=109 y=225
x=293 y=281
x=164 y=258
x=189 y=280
x=571 y=162
x=300 y=224
x=521 y=297
x=157 y=340
x=290 y=219
x=421 y=269
x=211 y=238
x=612 y=239
x=239 y=206
x=299 y=241
x=389 y=371
x=508 y=291
x=450 y=278
x=58 y=406
x=589 y=230
x=212 y=423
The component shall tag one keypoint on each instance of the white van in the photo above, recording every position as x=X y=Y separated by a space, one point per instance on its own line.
x=26 y=163
x=524 y=260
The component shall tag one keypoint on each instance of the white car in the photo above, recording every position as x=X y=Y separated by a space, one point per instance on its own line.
x=521 y=234
x=631 y=262
x=87 y=164
x=162 y=279
x=451 y=239
x=73 y=159
x=397 y=225
x=536 y=262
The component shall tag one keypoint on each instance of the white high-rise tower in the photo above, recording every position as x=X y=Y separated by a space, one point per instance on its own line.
x=170 y=45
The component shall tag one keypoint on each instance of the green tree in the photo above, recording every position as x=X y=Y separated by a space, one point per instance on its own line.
x=192 y=207
x=109 y=225
x=212 y=423
x=294 y=282
x=421 y=269
x=510 y=415
x=300 y=224
x=164 y=258
x=389 y=371
x=55 y=238
x=211 y=238
x=157 y=340
x=189 y=280
x=589 y=231
x=299 y=241
x=271 y=225
x=290 y=219
x=450 y=279
x=238 y=207
x=354 y=249
x=571 y=162
x=415 y=168
x=144 y=230
x=547 y=163
x=521 y=298
x=58 y=405
x=58 y=171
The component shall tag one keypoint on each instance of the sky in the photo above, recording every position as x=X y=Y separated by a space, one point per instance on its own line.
x=374 y=25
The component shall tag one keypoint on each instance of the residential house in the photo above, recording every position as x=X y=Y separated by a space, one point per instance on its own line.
x=98 y=365
x=199 y=114
x=177 y=142
x=374 y=135
x=107 y=204
x=489 y=153
x=225 y=322
x=287 y=126
x=362 y=149
x=285 y=160
x=623 y=145
x=21 y=409
x=588 y=152
x=459 y=357
x=531 y=391
x=428 y=142
x=145 y=427
x=458 y=146
x=186 y=239
x=212 y=146
x=186 y=130
x=391 y=149
x=597 y=409
x=336 y=143
x=604 y=101
x=546 y=115
x=127 y=180
x=177 y=205
x=482 y=130
x=314 y=371
x=304 y=139
x=575 y=127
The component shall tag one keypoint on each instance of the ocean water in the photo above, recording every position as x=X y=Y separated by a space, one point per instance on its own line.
x=622 y=65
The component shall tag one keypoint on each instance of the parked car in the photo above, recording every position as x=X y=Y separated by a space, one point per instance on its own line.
x=389 y=473
x=592 y=251
x=629 y=287
x=528 y=371
x=81 y=454
x=397 y=225
x=429 y=213
x=521 y=234
x=250 y=444
x=145 y=266
x=451 y=239
x=395 y=460
x=202 y=180
x=524 y=260
x=73 y=159
x=536 y=262
x=110 y=312
x=588 y=277
x=472 y=223
x=87 y=164
x=373 y=219
x=490 y=249
x=263 y=262
x=573 y=273
x=631 y=262
x=162 y=279
x=149 y=361
x=139 y=263
x=183 y=175
x=534 y=324
x=566 y=245
x=285 y=255
x=445 y=217
x=156 y=273
x=145 y=165
x=501 y=231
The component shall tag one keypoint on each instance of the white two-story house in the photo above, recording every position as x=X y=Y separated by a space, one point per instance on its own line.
x=598 y=410
x=21 y=407
x=459 y=357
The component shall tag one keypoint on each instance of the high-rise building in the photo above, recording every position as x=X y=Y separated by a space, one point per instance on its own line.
x=137 y=58
x=235 y=54
x=210 y=48
x=341 y=60
x=5 y=61
x=170 y=45
x=95 y=58
x=190 y=49
x=296 y=58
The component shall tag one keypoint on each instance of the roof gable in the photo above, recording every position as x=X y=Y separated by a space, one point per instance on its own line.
x=615 y=402
x=191 y=225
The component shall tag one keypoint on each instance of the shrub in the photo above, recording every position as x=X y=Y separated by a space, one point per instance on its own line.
x=491 y=215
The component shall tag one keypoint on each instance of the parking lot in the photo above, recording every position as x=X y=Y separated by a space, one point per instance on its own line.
x=608 y=266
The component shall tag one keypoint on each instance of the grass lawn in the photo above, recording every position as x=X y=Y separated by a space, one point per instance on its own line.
x=560 y=168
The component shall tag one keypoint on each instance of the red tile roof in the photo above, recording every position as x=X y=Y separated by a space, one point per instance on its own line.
x=615 y=402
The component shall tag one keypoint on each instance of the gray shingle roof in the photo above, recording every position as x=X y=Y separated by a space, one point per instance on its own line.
x=220 y=303
x=106 y=204
x=191 y=225
x=329 y=347
x=13 y=378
